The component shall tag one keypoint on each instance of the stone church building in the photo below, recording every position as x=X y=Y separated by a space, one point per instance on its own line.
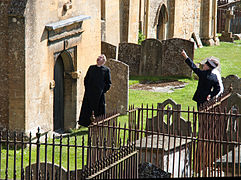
x=47 y=46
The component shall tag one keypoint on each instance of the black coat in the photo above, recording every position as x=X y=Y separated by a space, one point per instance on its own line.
x=207 y=85
x=97 y=82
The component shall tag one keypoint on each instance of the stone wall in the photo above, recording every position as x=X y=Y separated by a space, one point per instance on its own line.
x=130 y=54
x=4 y=64
x=124 y=15
x=117 y=96
x=30 y=60
x=112 y=22
x=184 y=18
x=129 y=20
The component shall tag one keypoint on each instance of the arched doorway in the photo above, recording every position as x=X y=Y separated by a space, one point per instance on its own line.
x=162 y=16
x=59 y=94
x=65 y=92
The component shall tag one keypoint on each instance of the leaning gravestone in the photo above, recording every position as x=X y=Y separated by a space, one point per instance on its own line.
x=197 y=40
x=130 y=54
x=151 y=58
x=108 y=49
x=117 y=96
x=173 y=63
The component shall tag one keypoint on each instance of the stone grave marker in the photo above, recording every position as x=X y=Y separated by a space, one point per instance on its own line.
x=117 y=96
x=130 y=54
x=172 y=61
x=183 y=128
x=108 y=49
x=226 y=34
x=151 y=58
x=235 y=81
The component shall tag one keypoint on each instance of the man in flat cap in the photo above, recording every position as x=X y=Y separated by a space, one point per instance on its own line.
x=208 y=85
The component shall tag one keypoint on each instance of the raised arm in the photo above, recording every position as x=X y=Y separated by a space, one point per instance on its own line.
x=191 y=64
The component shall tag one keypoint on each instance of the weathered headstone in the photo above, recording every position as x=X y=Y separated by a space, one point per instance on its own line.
x=117 y=96
x=130 y=54
x=172 y=61
x=108 y=50
x=233 y=80
x=180 y=127
x=151 y=58
x=226 y=34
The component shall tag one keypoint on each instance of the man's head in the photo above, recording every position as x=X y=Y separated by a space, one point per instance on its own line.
x=101 y=60
x=209 y=65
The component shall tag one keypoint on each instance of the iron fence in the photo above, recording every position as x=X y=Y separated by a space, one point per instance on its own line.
x=61 y=157
x=193 y=146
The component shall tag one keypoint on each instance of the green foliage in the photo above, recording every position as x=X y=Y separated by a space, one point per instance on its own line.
x=141 y=37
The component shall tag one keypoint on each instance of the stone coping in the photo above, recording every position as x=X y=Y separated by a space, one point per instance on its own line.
x=66 y=22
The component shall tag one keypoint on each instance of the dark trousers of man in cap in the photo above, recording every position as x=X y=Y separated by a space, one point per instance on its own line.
x=208 y=85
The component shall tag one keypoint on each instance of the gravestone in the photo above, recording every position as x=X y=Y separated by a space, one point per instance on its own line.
x=49 y=171
x=174 y=151
x=117 y=96
x=234 y=105
x=197 y=40
x=182 y=127
x=172 y=61
x=235 y=81
x=108 y=50
x=226 y=34
x=151 y=58
x=130 y=54
x=195 y=44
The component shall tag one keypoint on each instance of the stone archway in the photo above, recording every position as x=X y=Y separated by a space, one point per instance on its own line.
x=162 y=19
x=64 y=93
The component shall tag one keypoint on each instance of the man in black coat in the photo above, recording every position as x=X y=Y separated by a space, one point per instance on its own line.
x=208 y=85
x=97 y=82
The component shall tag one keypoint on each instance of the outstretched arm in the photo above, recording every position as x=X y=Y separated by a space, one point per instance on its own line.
x=191 y=64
